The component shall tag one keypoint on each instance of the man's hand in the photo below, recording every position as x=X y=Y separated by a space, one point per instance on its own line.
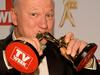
x=73 y=45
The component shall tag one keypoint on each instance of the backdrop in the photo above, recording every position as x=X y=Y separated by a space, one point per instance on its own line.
x=87 y=20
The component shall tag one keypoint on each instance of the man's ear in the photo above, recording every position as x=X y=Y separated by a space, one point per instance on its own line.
x=13 y=16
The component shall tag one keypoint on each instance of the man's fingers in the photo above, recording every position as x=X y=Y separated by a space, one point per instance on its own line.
x=75 y=49
x=63 y=50
x=68 y=37
x=73 y=46
x=70 y=46
x=82 y=46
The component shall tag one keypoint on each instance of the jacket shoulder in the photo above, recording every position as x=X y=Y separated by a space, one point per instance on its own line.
x=4 y=42
x=1 y=41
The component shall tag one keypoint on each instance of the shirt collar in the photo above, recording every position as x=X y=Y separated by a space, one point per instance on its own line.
x=13 y=36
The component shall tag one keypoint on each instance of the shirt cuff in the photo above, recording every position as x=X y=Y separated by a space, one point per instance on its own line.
x=94 y=65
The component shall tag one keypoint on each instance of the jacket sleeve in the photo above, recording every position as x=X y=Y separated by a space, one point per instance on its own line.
x=3 y=69
x=2 y=63
x=90 y=72
x=83 y=71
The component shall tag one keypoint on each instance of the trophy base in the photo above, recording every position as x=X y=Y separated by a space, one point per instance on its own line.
x=84 y=57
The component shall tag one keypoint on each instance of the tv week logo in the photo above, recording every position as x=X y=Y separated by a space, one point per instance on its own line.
x=21 y=57
x=5 y=6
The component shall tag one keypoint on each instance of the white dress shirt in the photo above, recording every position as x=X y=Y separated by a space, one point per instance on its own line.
x=43 y=68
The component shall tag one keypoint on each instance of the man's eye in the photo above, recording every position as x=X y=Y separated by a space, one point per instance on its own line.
x=49 y=15
x=34 y=14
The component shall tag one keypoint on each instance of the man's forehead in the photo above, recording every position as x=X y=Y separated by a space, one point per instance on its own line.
x=30 y=0
x=35 y=2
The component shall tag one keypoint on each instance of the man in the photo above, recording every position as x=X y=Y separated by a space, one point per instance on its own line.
x=31 y=17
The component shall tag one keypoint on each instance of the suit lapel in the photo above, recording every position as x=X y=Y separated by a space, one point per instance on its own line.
x=55 y=65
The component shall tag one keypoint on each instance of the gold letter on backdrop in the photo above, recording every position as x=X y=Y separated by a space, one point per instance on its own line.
x=67 y=15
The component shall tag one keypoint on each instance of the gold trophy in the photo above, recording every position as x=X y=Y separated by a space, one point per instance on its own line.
x=81 y=59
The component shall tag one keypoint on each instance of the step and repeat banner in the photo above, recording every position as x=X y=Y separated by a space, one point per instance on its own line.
x=83 y=20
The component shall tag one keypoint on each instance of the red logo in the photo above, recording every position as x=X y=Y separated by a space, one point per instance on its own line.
x=21 y=57
x=5 y=6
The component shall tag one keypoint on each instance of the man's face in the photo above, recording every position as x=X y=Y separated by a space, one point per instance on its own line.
x=33 y=16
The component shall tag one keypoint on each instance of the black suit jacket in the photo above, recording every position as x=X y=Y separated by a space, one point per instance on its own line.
x=57 y=64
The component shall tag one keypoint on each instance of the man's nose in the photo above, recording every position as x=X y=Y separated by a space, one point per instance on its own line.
x=43 y=23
